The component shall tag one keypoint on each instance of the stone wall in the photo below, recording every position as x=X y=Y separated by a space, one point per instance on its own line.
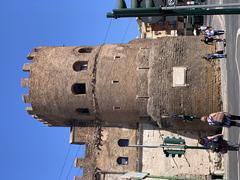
x=100 y=162
x=101 y=159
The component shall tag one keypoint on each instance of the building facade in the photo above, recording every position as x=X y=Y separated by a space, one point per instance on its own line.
x=157 y=27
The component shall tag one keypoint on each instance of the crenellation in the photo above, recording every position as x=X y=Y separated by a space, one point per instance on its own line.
x=27 y=67
x=26 y=98
x=25 y=82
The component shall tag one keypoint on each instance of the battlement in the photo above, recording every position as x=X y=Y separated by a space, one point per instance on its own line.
x=105 y=154
x=78 y=178
x=110 y=161
x=83 y=135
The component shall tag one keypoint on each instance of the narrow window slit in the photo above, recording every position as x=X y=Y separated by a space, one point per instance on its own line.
x=115 y=82
x=84 y=111
x=142 y=97
x=116 y=57
x=116 y=107
x=80 y=66
x=143 y=68
x=85 y=50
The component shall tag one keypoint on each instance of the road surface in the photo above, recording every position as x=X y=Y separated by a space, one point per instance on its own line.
x=230 y=83
x=233 y=88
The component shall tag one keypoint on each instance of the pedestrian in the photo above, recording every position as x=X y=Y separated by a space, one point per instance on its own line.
x=221 y=119
x=218 y=32
x=217 y=144
x=209 y=34
x=204 y=28
x=208 y=39
x=214 y=56
x=213 y=32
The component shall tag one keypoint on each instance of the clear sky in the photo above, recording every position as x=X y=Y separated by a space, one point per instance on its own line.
x=28 y=149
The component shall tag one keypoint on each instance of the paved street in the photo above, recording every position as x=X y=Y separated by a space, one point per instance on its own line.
x=233 y=88
x=230 y=83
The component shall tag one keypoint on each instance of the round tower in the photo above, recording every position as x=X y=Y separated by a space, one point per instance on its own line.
x=117 y=85
x=82 y=85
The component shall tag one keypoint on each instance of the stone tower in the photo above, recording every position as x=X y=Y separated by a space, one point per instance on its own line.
x=106 y=92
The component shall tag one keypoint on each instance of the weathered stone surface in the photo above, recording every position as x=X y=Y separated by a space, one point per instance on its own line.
x=125 y=86
x=123 y=83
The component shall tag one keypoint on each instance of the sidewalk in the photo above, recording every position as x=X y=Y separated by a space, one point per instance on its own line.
x=218 y=22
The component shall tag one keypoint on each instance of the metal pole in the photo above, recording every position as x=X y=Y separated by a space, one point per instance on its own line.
x=175 y=178
x=195 y=147
x=203 y=6
x=160 y=146
x=144 y=146
x=148 y=12
x=169 y=146
x=176 y=11
x=172 y=178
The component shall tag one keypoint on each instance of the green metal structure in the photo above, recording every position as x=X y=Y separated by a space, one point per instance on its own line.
x=171 y=146
x=144 y=175
x=148 y=9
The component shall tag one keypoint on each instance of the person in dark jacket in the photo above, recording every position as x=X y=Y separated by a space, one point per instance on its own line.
x=217 y=144
x=214 y=56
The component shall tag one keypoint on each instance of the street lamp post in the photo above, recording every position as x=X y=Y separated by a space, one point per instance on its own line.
x=151 y=10
x=171 y=146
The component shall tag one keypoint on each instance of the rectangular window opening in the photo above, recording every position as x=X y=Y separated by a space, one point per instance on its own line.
x=116 y=107
x=84 y=111
x=116 y=57
x=115 y=82
x=79 y=88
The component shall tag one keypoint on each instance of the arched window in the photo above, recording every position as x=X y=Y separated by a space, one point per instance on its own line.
x=122 y=160
x=80 y=66
x=84 y=111
x=85 y=50
x=123 y=142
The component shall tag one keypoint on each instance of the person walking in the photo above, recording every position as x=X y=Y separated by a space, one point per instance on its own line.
x=217 y=144
x=214 y=56
x=213 y=32
x=210 y=35
x=218 y=32
x=204 y=28
x=208 y=39
x=221 y=119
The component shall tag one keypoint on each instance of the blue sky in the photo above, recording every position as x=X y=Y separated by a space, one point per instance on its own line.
x=28 y=149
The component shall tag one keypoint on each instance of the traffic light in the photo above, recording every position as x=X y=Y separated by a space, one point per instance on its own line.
x=173 y=153
x=174 y=146
x=174 y=140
